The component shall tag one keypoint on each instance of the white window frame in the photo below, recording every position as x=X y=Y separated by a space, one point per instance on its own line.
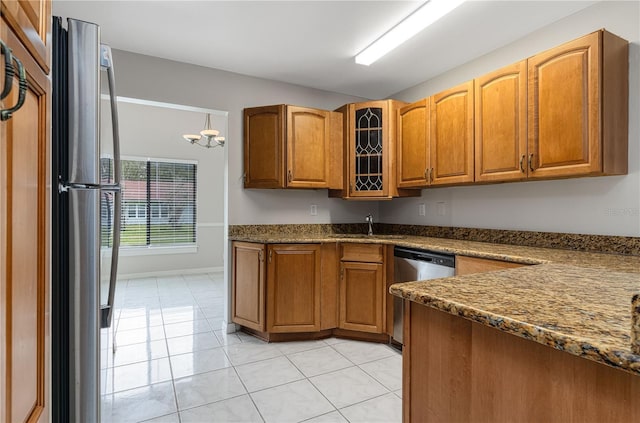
x=144 y=250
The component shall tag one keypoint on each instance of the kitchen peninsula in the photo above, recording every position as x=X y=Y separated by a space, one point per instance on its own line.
x=459 y=337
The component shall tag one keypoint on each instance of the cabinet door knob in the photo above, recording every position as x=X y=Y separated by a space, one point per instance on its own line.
x=431 y=175
x=522 y=163
x=289 y=177
x=426 y=173
x=531 y=162
x=270 y=253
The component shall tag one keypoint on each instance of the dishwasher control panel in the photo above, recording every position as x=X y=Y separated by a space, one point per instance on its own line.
x=439 y=259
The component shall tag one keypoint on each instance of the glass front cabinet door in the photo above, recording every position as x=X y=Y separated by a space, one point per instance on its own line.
x=369 y=150
x=368 y=171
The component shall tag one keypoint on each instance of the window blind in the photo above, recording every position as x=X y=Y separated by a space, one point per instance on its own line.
x=158 y=203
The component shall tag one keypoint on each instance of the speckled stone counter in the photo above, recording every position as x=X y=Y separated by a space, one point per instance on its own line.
x=584 y=311
x=635 y=324
x=577 y=242
x=514 y=253
x=574 y=301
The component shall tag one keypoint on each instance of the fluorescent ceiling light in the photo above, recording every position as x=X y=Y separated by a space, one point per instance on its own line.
x=424 y=16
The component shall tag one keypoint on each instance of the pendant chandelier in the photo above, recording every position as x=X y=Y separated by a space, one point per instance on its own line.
x=208 y=138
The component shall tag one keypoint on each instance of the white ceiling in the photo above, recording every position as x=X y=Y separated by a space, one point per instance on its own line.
x=312 y=43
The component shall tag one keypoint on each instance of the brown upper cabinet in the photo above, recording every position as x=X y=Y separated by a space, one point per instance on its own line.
x=413 y=164
x=578 y=108
x=369 y=151
x=501 y=124
x=500 y=134
x=292 y=147
x=560 y=113
x=31 y=23
x=451 y=136
x=435 y=141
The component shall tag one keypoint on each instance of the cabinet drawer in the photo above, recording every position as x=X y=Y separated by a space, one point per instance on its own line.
x=367 y=253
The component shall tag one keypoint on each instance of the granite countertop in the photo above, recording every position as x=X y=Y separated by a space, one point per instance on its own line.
x=513 y=253
x=578 y=302
x=585 y=312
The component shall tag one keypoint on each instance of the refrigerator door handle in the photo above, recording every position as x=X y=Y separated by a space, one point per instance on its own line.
x=106 y=62
x=106 y=311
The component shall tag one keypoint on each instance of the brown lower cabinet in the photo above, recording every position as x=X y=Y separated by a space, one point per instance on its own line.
x=280 y=290
x=277 y=287
x=247 y=290
x=362 y=288
x=361 y=296
x=456 y=370
x=293 y=288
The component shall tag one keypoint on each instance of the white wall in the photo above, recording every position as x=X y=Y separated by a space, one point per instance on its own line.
x=158 y=79
x=602 y=205
x=155 y=131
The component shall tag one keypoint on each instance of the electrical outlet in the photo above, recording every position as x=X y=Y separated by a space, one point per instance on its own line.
x=422 y=210
x=441 y=208
x=313 y=210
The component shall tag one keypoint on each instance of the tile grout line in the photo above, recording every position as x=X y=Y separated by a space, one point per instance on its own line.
x=173 y=381
x=332 y=371
x=369 y=399
x=225 y=399
x=274 y=386
x=218 y=401
x=355 y=403
x=345 y=357
x=225 y=347
x=365 y=362
x=375 y=378
x=318 y=390
x=248 y=393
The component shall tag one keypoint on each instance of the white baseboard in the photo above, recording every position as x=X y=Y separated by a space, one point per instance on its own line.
x=175 y=272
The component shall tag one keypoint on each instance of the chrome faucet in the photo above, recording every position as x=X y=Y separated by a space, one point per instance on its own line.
x=369 y=220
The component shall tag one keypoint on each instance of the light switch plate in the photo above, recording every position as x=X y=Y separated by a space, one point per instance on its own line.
x=422 y=210
x=441 y=208
x=313 y=210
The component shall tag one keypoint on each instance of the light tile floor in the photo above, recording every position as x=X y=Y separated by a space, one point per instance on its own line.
x=174 y=364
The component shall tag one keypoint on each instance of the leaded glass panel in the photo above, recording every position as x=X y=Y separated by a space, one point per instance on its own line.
x=368 y=154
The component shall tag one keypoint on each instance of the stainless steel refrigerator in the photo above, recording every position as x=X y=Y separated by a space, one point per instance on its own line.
x=86 y=218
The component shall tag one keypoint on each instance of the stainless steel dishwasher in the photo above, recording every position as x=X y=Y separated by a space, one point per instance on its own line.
x=416 y=265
